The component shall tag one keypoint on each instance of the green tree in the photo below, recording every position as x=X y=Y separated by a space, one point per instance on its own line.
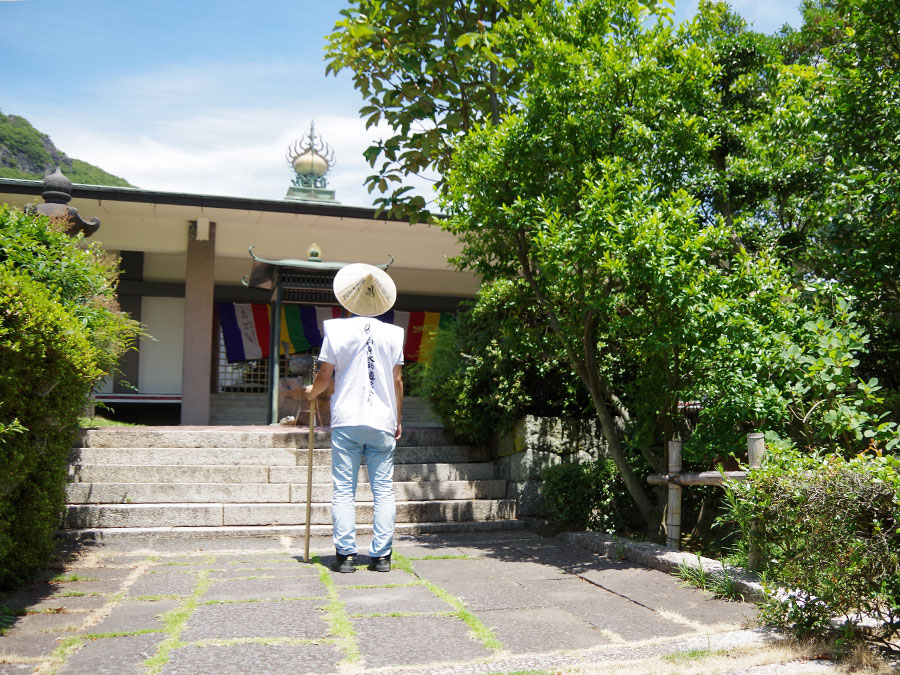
x=654 y=187
x=854 y=50
x=431 y=70
x=499 y=363
x=624 y=192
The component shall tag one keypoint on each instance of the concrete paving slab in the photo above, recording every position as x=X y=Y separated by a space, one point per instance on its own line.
x=29 y=645
x=265 y=589
x=604 y=610
x=413 y=552
x=287 y=572
x=267 y=619
x=607 y=611
x=104 y=587
x=22 y=598
x=124 y=559
x=131 y=615
x=515 y=577
x=113 y=656
x=71 y=604
x=363 y=577
x=164 y=583
x=98 y=572
x=253 y=659
x=398 y=641
x=484 y=568
x=180 y=568
x=47 y=623
x=267 y=558
x=572 y=559
x=537 y=546
x=486 y=594
x=199 y=558
x=394 y=599
x=659 y=591
x=541 y=629
x=16 y=668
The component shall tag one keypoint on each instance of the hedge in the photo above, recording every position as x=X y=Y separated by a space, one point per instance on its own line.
x=829 y=532
x=46 y=373
x=61 y=331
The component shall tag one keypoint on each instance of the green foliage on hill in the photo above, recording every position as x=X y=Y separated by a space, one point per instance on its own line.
x=27 y=153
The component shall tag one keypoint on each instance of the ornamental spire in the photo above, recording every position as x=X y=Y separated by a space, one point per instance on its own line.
x=311 y=158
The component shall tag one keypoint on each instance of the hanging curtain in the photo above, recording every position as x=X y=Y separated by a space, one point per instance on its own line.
x=246 y=326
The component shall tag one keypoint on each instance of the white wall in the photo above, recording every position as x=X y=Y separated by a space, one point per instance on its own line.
x=160 y=358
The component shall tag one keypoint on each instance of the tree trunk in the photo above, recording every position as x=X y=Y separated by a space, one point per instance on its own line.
x=590 y=376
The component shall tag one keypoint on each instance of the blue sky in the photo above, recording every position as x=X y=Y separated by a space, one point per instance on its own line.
x=201 y=96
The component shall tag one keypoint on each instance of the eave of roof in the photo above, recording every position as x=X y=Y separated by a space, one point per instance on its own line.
x=100 y=192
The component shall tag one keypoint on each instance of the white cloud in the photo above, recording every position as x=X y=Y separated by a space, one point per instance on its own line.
x=213 y=129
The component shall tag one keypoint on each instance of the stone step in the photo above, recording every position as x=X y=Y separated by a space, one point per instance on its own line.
x=80 y=516
x=262 y=456
x=234 y=437
x=289 y=535
x=165 y=493
x=220 y=473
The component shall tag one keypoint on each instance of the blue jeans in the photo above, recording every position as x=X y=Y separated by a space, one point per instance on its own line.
x=348 y=446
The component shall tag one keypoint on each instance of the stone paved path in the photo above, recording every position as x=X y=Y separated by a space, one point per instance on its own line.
x=454 y=603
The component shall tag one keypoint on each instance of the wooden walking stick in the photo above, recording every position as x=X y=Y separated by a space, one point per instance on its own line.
x=309 y=470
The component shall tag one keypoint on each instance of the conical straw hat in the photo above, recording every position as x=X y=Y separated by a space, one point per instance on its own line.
x=364 y=289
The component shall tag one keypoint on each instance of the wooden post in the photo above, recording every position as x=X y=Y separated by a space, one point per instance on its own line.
x=673 y=512
x=309 y=463
x=756 y=448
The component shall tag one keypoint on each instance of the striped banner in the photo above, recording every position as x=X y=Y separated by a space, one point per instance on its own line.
x=245 y=329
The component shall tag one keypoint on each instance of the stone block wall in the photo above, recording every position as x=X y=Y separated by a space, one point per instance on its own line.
x=536 y=443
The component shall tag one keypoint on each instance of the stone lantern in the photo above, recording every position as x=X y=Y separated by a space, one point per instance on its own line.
x=57 y=193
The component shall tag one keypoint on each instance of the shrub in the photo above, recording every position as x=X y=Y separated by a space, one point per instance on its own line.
x=80 y=275
x=587 y=496
x=497 y=364
x=60 y=332
x=46 y=373
x=829 y=536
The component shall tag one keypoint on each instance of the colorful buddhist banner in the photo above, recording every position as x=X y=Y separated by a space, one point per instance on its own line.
x=246 y=329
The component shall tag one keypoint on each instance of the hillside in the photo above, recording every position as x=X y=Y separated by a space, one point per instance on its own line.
x=27 y=153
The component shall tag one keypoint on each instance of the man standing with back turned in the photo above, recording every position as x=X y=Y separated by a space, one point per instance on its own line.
x=366 y=357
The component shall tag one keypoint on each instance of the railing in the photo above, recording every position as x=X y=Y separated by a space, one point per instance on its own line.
x=676 y=479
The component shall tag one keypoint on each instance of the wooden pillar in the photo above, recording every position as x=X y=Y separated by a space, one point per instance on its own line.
x=199 y=284
x=756 y=448
x=673 y=511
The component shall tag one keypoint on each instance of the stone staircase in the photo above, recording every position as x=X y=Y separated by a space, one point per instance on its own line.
x=252 y=481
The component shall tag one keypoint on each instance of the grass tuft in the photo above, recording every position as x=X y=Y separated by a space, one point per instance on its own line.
x=339 y=623
x=720 y=583
x=173 y=625
x=63 y=578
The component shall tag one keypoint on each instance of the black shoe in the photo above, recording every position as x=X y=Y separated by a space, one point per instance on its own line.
x=382 y=564
x=344 y=563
